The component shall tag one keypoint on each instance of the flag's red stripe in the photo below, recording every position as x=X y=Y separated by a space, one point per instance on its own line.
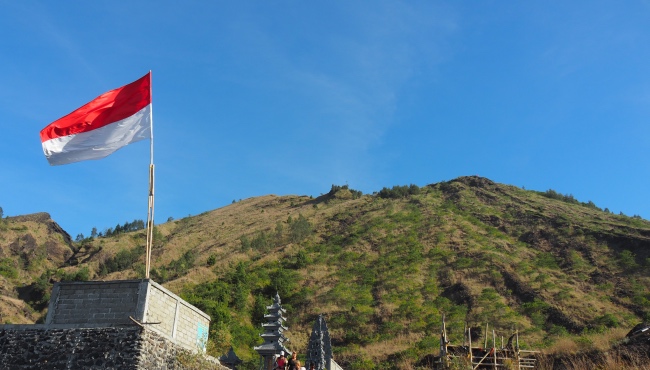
x=107 y=108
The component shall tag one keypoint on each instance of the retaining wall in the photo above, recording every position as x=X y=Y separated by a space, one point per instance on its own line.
x=50 y=347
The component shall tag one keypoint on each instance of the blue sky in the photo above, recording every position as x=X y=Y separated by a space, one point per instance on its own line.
x=290 y=97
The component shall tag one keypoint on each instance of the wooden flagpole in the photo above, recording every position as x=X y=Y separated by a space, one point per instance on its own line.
x=151 y=195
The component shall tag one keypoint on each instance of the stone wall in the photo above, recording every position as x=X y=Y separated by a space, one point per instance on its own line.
x=29 y=347
x=49 y=347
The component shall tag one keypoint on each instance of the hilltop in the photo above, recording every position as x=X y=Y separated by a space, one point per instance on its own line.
x=382 y=268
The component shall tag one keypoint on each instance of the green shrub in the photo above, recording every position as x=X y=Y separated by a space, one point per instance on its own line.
x=362 y=363
x=41 y=288
x=8 y=268
x=174 y=269
x=336 y=188
x=261 y=242
x=299 y=229
x=546 y=260
x=550 y=193
x=627 y=260
x=245 y=243
x=81 y=274
x=398 y=191
x=608 y=320
x=122 y=260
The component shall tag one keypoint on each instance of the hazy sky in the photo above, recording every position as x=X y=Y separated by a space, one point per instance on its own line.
x=289 y=97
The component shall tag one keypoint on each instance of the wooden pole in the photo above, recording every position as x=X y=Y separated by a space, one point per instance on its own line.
x=486 y=332
x=481 y=361
x=471 y=355
x=443 y=344
x=150 y=221
x=150 y=224
x=517 y=349
x=494 y=349
x=464 y=334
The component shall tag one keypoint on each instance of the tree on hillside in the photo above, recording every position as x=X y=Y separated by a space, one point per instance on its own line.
x=1 y=212
x=300 y=229
x=336 y=188
x=127 y=227
x=279 y=234
x=399 y=191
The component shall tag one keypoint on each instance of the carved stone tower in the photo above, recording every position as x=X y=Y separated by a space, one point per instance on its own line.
x=274 y=338
x=319 y=349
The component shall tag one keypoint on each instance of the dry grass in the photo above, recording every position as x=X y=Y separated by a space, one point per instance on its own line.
x=194 y=277
x=588 y=342
x=620 y=359
x=595 y=351
x=383 y=349
x=563 y=346
x=15 y=311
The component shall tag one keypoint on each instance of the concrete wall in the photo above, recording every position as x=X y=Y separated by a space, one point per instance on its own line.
x=185 y=324
x=118 y=303
x=333 y=366
x=96 y=302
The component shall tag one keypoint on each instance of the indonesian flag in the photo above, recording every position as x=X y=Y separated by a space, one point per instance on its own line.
x=110 y=121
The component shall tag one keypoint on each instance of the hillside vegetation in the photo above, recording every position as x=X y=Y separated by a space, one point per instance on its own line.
x=382 y=268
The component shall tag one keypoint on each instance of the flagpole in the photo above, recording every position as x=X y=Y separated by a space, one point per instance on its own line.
x=151 y=195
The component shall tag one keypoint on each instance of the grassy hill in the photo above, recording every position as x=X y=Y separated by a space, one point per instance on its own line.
x=382 y=268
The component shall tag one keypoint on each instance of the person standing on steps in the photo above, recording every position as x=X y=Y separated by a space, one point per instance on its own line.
x=281 y=362
x=293 y=362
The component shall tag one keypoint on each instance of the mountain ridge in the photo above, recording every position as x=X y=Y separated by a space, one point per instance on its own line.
x=383 y=268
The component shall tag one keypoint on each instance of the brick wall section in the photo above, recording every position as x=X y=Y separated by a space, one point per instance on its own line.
x=161 y=308
x=112 y=303
x=179 y=320
x=49 y=347
x=95 y=302
x=158 y=353
x=191 y=326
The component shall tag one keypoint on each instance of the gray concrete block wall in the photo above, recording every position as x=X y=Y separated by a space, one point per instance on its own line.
x=94 y=302
x=114 y=303
x=185 y=324
x=161 y=308
x=192 y=328
x=157 y=353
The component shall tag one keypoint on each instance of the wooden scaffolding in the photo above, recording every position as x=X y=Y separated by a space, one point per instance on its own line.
x=467 y=355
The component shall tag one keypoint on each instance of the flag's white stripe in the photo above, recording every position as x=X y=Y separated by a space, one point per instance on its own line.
x=101 y=142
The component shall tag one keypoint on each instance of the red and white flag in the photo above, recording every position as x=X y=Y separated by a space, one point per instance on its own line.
x=110 y=121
